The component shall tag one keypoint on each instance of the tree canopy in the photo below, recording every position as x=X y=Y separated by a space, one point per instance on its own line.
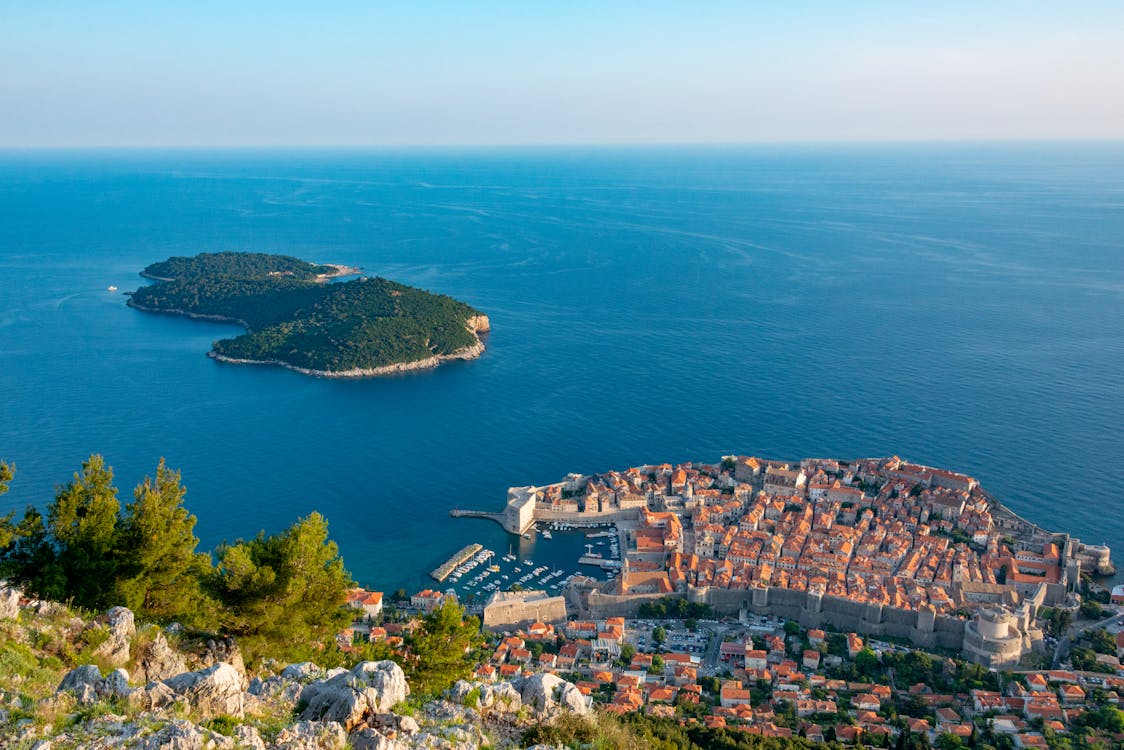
x=283 y=590
x=83 y=523
x=159 y=571
x=294 y=319
x=443 y=649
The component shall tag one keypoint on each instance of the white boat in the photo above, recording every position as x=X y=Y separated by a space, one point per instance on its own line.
x=546 y=534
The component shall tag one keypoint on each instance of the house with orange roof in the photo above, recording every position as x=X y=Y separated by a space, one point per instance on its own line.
x=733 y=694
x=1071 y=694
x=370 y=602
x=866 y=702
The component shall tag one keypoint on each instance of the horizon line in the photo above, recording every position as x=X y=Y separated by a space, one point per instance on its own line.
x=392 y=145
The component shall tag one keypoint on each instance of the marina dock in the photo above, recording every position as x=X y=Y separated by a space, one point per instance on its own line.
x=441 y=573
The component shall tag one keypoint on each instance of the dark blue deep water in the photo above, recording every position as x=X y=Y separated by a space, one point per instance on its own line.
x=960 y=306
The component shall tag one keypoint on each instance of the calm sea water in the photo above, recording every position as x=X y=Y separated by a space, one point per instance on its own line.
x=962 y=307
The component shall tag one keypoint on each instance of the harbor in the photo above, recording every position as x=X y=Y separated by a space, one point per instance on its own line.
x=546 y=557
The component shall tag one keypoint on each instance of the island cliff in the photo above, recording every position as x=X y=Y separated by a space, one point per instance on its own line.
x=294 y=319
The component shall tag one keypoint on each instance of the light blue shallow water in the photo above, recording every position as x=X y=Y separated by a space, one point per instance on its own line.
x=963 y=307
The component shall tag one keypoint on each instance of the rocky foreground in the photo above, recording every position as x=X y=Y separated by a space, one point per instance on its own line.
x=149 y=687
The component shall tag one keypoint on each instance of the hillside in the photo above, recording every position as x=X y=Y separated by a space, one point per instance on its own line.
x=362 y=327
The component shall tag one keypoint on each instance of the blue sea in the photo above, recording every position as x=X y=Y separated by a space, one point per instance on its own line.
x=961 y=306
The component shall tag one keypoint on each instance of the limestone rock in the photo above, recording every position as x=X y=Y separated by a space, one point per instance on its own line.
x=213 y=691
x=455 y=737
x=122 y=628
x=158 y=661
x=447 y=712
x=176 y=735
x=115 y=685
x=9 y=602
x=247 y=737
x=87 y=674
x=85 y=694
x=369 y=739
x=311 y=735
x=303 y=672
x=370 y=687
x=276 y=688
x=548 y=694
x=407 y=725
x=506 y=698
x=226 y=651
x=152 y=696
x=501 y=697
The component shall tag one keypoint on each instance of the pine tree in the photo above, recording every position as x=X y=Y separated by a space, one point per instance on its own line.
x=159 y=571
x=443 y=649
x=83 y=522
x=282 y=593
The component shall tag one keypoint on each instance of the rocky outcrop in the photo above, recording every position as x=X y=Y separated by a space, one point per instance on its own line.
x=224 y=650
x=157 y=660
x=311 y=735
x=369 y=739
x=303 y=672
x=183 y=735
x=115 y=650
x=479 y=323
x=81 y=682
x=500 y=697
x=114 y=685
x=348 y=698
x=548 y=695
x=214 y=691
x=152 y=697
x=248 y=738
x=9 y=602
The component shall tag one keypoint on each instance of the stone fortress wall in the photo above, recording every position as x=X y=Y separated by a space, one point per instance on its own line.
x=922 y=627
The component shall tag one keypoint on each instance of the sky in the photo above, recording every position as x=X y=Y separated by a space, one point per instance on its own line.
x=419 y=72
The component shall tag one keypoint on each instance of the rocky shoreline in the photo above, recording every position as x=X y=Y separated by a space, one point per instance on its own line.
x=468 y=352
x=186 y=314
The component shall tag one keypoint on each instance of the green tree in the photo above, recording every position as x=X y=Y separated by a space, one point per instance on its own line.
x=83 y=523
x=7 y=528
x=443 y=649
x=627 y=652
x=659 y=635
x=866 y=663
x=657 y=665
x=29 y=558
x=1092 y=610
x=281 y=594
x=160 y=573
x=948 y=741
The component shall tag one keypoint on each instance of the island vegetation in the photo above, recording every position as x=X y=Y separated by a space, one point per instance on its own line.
x=365 y=326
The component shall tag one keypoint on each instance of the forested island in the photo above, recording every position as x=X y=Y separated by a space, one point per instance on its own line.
x=293 y=318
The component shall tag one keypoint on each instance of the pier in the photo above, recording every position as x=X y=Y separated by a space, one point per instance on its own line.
x=441 y=573
x=497 y=517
